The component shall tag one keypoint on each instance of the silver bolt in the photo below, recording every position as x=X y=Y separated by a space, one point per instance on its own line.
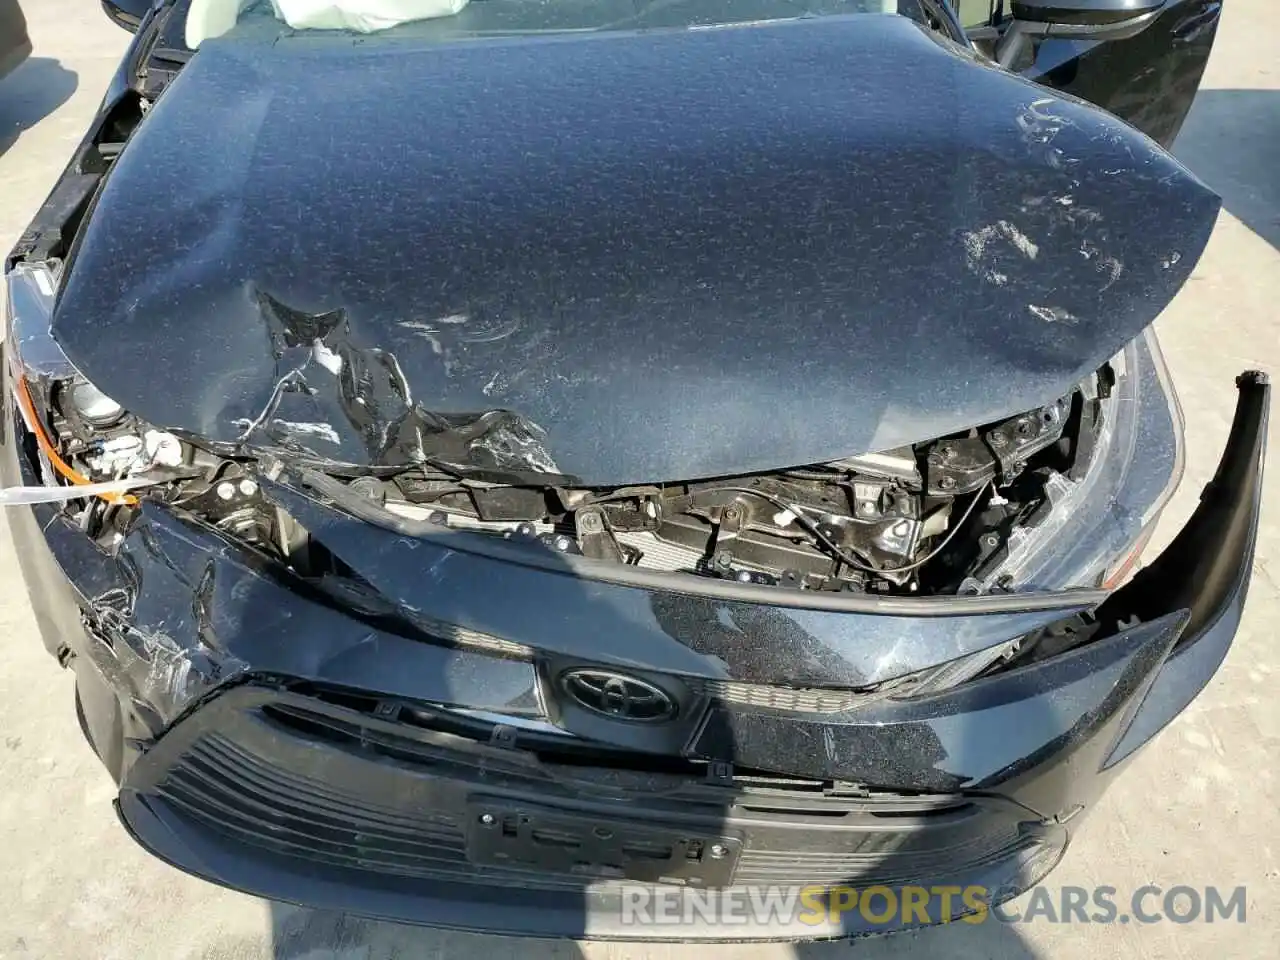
x=868 y=508
x=563 y=543
x=226 y=490
x=718 y=851
x=248 y=487
x=947 y=483
x=997 y=438
x=488 y=819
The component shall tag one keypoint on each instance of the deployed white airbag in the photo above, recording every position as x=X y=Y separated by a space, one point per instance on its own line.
x=213 y=18
x=363 y=16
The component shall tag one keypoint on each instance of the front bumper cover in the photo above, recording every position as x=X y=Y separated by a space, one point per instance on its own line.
x=294 y=798
x=190 y=698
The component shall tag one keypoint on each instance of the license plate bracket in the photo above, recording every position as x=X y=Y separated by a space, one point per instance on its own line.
x=506 y=833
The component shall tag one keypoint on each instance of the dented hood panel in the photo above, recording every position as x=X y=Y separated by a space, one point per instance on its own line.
x=621 y=258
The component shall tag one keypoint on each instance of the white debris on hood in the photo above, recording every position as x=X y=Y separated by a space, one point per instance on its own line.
x=213 y=18
x=1109 y=266
x=430 y=330
x=981 y=260
x=1051 y=314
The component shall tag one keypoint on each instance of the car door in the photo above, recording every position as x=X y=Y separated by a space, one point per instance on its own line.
x=15 y=45
x=1149 y=79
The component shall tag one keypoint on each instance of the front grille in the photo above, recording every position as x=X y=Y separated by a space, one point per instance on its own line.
x=318 y=799
x=244 y=798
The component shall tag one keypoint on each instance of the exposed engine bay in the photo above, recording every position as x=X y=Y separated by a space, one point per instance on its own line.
x=934 y=518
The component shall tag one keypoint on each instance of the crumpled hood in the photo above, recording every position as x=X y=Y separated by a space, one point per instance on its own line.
x=622 y=257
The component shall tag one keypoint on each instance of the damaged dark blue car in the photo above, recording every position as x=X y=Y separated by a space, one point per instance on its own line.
x=476 y=467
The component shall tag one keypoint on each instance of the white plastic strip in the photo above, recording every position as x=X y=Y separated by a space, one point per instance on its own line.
x=21 y=496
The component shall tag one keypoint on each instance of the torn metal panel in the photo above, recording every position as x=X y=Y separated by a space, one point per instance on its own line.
x=323 y=370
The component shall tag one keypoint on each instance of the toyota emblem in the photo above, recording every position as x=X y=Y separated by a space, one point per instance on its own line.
x=618 y=696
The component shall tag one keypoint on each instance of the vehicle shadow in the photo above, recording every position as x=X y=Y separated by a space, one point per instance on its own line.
x=299 y=933
x=29 y=94
x=1231 y=140
x=956 y=941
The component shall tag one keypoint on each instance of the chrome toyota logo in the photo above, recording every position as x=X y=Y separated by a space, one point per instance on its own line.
x=618 y=696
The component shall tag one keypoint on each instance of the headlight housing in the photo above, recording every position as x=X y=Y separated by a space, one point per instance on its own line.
x=31 y=350
x=35 y=362
x=1094 y=525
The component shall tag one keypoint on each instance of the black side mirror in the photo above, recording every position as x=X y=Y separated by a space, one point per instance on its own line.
x=1081 y=12
x=1079 y=19
x=128 y=14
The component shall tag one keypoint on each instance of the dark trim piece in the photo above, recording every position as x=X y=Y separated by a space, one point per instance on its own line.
x=1207 y=561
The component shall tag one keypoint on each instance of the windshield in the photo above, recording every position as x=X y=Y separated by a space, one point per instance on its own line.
x=456 y=19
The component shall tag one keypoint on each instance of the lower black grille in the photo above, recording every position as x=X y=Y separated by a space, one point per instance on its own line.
x=236 y=793
x=403 y=812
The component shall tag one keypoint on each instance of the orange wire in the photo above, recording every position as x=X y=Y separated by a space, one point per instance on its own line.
x=46 y=446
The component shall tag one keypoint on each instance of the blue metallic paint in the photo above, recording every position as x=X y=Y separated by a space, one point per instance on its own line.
x=651 y=246
x=216 y=629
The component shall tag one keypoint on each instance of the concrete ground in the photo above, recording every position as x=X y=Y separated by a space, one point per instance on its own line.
x=1201 y=806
